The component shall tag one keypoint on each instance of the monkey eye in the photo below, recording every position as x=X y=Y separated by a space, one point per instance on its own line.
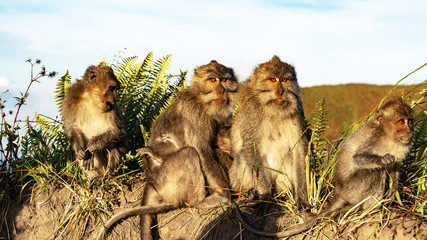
x=223 y=79
x=410 y=121
x=401 y=121
x=274 y=79
x=112 y=88
x=212 y=79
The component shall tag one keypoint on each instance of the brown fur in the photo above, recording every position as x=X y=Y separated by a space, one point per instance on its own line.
x=365 y=160
x=268 y=131
x=180 y=151
x=93 y=122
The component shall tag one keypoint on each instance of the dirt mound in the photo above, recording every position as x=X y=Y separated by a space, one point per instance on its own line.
x=45 y=213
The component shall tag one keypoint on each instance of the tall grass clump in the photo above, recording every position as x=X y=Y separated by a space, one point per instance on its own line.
x=10 y=130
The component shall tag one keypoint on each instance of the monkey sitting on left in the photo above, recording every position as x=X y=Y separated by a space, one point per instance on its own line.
x=93 y=122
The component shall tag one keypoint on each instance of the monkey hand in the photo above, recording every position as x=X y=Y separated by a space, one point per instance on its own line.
x=88 y=163
x=387 y=159
x=143 y=152
x=83 y=155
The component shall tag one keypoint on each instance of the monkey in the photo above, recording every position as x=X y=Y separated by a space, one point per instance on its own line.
x=222 y=148
x=268 y=138
x=181 y=166
x=174 y=179
x=368 y=158
x=189 y=188
x=93 y=122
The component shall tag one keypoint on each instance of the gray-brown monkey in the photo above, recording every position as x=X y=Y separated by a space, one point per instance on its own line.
x=268 y=133
x=364 y=163
x=93 y=122
x=192 y=122
x=181 y=166
x=174 y=179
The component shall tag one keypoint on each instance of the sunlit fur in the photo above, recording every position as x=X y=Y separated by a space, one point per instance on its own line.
x=268 y=130
x=93 y=120
x=362 y=170
x=182 y=139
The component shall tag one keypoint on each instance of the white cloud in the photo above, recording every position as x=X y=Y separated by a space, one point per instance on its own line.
x=4 y=82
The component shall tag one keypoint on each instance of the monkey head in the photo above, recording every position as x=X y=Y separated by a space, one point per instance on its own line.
x=216 y=84
x=103 y=85
x=396 y=120
x=275 y=84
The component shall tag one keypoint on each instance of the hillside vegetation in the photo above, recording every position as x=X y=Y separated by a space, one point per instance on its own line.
x=347 y=103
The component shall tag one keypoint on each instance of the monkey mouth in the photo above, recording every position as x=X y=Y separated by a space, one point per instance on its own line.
x=405 y=140
x=218 y=101
x=279 y=101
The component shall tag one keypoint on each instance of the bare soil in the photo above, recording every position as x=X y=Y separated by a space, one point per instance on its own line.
x=43 y=214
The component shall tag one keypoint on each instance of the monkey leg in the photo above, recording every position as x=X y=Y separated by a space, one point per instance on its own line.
x=98 y=166
x=394 y=174
x=242 y=175
x=213 y=200
x=180 y=179
x=265 y=179
x=216 y=177
x=114 y=157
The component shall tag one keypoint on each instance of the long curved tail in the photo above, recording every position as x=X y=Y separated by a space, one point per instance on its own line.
x=298 y=228
x=155 y=209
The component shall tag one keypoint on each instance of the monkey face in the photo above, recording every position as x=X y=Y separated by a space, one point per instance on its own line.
x=216 y=83
x=103 y=85
x=396 y=119
x=275 y=84
x=402 y=129
x=104 y=95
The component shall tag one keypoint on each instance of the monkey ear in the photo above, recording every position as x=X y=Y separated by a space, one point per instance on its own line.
x=378 y=117
x=275 y=59
x=91 y=74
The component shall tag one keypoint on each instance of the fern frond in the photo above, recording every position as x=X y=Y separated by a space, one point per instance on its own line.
x=146 y=91
x=318 y=123
x=61 y=89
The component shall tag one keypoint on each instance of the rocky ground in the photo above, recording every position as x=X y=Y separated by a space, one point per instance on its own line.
x=44 y=214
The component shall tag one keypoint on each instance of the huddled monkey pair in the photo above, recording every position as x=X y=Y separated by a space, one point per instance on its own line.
x=192 y=142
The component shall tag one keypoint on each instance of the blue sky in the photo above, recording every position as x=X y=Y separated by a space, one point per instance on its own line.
x=328 y=42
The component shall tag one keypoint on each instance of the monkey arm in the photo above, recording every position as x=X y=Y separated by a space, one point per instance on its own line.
x=372 y=161
x=78 y=143
x=214 y=173
x=107 y=140
x=394 y=172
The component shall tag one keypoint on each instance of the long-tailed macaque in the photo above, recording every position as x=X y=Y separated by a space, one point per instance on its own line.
x=268 y=133
x=181 y=167
x=367 y=160
x=192 y=121
x=93 y=122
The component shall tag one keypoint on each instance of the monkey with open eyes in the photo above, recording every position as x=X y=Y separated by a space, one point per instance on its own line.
x=93 y=122
x=268 y=133
x=367 y=160
x=181 y=168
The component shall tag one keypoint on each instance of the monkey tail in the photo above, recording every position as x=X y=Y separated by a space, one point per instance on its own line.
x=295 y=230
x=132 y=212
